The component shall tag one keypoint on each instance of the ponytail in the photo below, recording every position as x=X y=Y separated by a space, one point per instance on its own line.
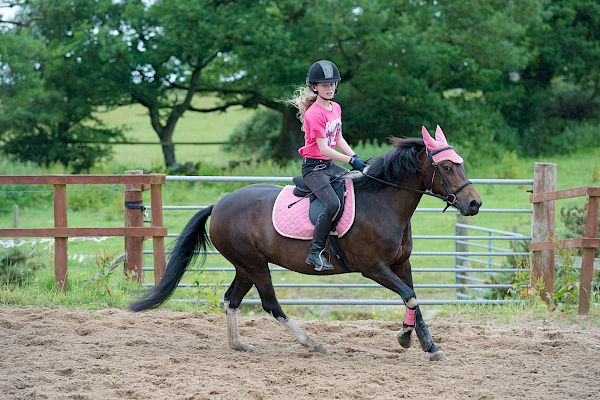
x=302 y=99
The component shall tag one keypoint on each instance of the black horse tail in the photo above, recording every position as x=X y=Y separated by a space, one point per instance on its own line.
x=192 y=238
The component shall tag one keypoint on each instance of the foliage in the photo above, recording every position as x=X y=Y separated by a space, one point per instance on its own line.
x=21 y=195
x=189 y=168
x=74 y=148
x=566 y=281
x=560 y=83
x=49 y=91
x=101 y=280
x=574 y=219
x=515 y=75
x=519 y=280
x=256 y=138
x=210 y=293
x=16 y=267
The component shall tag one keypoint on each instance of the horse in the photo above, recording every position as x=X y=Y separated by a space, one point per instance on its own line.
x=378 y=245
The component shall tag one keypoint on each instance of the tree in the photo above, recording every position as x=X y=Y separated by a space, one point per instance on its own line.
x=403 y=64
x=47 y=97
x=163 y=51
x=561 y=83
x=486 y=70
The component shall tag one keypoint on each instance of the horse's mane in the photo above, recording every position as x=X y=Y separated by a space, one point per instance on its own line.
x=398 y=163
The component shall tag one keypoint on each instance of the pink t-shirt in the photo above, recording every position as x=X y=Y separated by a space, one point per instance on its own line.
x=320 y=122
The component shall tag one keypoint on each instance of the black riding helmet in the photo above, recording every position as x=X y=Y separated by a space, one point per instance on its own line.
x=323 y=71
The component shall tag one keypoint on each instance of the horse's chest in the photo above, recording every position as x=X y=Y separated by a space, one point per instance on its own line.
x=392 y=248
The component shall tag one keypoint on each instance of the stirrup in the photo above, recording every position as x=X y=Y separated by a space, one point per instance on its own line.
x=323 y=264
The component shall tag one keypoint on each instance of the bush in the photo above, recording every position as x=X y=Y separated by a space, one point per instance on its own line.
x=16 y=268
x=257 y=137
x=575 y=218
x=79 y=149
x=573 y=138
x=478 y=132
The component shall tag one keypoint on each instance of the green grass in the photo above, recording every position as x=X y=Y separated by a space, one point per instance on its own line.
x=88 y=288
x=101 y=206
x=192 y=127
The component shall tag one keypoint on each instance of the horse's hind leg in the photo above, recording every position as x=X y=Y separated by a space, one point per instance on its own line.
x=232 y=299
x=264 y=285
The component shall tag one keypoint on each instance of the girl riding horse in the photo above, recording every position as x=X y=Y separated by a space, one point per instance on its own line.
x=378 y=245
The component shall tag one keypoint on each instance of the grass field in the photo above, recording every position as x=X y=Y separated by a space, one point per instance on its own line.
x=93 y=205
x=192 y=127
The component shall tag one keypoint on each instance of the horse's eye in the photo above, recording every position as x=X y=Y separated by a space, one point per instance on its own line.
x=448 y=168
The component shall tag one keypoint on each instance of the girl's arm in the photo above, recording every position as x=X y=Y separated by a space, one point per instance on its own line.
x=331 y=153
x=344 y=146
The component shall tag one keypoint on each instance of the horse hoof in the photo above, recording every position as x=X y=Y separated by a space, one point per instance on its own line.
x=242 y=348
x=404 y=339
x=438 y=356
x=318 y=348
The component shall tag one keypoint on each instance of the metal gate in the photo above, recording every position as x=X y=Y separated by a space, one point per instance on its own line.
x=475 y=257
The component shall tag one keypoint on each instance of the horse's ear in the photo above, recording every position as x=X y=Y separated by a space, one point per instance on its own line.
x=429 y=141
x=439 y=135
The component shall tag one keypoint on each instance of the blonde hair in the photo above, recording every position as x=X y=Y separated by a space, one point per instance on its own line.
x=303 y=98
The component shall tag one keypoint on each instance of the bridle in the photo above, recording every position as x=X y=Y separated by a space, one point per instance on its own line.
x=449 y=198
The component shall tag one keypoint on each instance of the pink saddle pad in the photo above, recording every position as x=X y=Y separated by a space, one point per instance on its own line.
x=294 y=222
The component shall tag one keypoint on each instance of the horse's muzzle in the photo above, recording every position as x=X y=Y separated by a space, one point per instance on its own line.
x=474 y=206
x=469 y=204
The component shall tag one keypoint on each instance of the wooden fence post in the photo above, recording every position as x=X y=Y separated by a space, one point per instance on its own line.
x=134 y=217
x=60 y=243
x=158 y=242
x=587 y=261
x=542 y=229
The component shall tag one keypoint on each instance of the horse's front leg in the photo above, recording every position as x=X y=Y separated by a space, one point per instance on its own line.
x=413 y=319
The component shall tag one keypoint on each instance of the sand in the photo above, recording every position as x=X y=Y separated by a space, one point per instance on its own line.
x=115 y=354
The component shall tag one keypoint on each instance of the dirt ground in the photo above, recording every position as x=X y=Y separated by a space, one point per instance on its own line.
x=114 y=354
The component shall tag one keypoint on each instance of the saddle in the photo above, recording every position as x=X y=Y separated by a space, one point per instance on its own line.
x=295 y=214
x=316 y=206
x=294 y=217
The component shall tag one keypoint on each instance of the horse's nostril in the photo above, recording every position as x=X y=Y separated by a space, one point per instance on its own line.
x=475 y=205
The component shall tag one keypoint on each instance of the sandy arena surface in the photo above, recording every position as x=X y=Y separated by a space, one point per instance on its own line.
x=114 y=354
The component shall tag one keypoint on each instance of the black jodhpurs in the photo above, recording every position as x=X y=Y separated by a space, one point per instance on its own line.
x=317 y=175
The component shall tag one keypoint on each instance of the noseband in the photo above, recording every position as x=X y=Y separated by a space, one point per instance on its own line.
x=449 y=198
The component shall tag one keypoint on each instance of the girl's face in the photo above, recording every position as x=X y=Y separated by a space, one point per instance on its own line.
x=325 y=90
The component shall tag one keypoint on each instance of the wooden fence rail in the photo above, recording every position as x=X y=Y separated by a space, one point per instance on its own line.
x=133 y=232
x=543 y=233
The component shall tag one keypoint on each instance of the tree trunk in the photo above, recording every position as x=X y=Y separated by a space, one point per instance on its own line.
x=291 y=136
x=168 y=148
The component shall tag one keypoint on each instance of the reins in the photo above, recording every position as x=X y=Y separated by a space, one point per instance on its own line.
x=450 y=197
x=306 y=195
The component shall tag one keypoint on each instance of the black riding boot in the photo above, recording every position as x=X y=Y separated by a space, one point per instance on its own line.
x=316 y=252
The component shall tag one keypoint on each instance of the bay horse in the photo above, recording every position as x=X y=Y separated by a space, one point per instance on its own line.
x=378 y=245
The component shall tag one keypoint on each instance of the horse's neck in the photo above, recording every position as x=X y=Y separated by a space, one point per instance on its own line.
x=394 y=205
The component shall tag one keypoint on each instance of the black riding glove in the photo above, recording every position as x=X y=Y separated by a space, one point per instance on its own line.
x=357 y=163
